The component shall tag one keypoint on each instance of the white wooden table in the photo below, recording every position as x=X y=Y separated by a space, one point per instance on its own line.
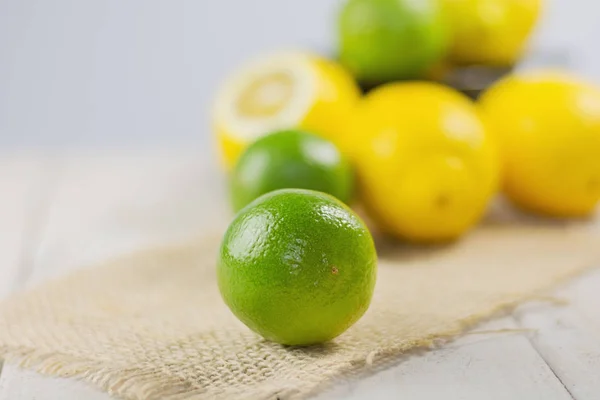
x=62 y=212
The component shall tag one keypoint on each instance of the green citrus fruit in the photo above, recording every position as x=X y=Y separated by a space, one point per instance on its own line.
x=290 y=159
x=383 y=40
x=297 y=266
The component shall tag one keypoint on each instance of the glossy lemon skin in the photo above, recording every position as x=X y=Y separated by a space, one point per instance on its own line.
x=548 y=125
x=338 y=95
x=491 y=32
x=426 y=165
x=335 y=98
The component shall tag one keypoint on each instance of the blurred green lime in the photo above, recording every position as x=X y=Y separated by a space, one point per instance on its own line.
x=290 y=159
x=384 y=40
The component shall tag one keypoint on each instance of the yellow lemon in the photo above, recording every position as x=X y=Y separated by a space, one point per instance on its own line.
x=426 y=165
x=490 y=31
x=282 y=91
x=548 y=128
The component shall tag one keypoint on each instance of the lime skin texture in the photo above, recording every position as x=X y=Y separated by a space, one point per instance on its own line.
x=297 y=266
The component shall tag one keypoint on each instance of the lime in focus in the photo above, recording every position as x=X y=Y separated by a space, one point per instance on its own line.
x=297 y=266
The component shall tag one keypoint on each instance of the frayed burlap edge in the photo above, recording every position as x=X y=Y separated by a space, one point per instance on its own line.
x=132 y=385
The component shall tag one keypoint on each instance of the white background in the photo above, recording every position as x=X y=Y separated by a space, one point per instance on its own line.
x=133 y=73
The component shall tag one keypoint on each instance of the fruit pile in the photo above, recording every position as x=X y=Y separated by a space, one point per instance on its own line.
x=302 y=145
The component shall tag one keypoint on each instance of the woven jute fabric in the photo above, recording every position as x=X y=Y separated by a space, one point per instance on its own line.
x=153 y=326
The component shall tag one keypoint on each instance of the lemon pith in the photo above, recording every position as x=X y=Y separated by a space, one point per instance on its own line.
x=282 y=91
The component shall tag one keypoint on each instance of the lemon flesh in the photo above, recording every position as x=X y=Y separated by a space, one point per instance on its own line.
x=266 y=96
x=282 y=91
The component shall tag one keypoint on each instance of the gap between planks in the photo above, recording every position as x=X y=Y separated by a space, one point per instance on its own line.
x=568 y=337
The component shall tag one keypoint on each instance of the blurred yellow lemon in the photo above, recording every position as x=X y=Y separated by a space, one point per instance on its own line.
x=426 y=165
x=282 y=91
x=492 y=32
x=548 y=127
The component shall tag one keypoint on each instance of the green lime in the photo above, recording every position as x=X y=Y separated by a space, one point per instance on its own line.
x=290 y=159
x=297 y=266
x=384 y=40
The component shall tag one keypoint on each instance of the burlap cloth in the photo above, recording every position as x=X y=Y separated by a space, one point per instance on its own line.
x=152 y=325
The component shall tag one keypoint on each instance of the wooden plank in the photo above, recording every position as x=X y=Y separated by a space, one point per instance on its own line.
x=106 y=205
x=25 y=183
x=568 y=337
x=113 y=205
x=21 y=196
x=495 y=366
x=19 y=384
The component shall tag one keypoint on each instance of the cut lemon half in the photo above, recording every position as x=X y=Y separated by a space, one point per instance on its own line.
x=283 y=91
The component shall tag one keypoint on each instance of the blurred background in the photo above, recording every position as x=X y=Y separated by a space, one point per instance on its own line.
x=142 y=73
